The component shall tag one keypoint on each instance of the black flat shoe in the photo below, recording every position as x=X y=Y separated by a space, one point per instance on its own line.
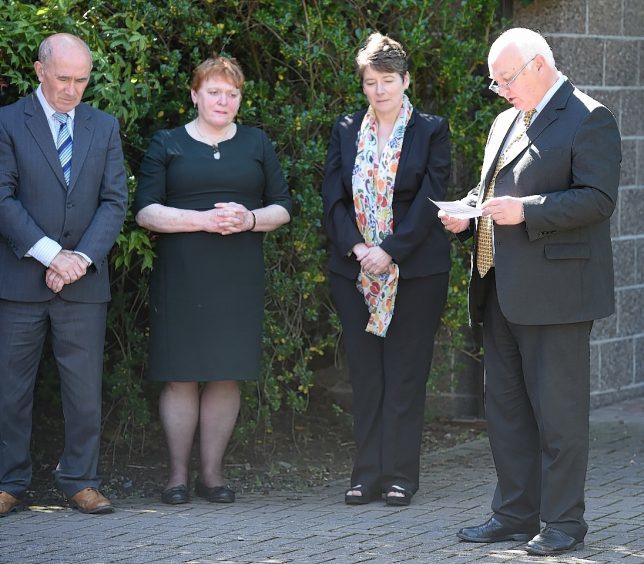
x=216 y=494
x=175 y=495
x=366 y=496
x=552 y=541
x=398 y=500
x=495 y=531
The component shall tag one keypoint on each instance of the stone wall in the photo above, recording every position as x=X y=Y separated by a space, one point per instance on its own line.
x=599 y=45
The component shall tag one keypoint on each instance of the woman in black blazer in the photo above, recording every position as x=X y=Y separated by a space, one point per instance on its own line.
x=388 y=250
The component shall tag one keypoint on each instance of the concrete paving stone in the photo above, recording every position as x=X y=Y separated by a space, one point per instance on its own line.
x=30 y=554
x=602 y=538
x=631 y=495
x=607 y=496
x=340 y=556
x=51 y=560
x=626 y=515
x=633 y=540
x=316 y=526
x=622 y=528
x=149 y=558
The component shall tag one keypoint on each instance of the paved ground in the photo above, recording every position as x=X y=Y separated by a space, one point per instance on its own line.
x=317 y=527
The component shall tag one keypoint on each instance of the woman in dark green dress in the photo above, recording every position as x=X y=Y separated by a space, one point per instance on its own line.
x=210 y=189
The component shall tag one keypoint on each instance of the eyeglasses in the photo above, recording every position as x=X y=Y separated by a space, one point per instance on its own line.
x=496 y=87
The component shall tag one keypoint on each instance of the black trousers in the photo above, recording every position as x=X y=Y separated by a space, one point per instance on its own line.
x=537 y=395
x=388 y=377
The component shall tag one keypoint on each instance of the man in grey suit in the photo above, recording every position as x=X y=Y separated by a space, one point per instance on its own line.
x=63 y=197
x=542 y=271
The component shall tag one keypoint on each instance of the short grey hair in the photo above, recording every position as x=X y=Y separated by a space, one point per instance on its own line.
x=529 y=44
x=46 y=46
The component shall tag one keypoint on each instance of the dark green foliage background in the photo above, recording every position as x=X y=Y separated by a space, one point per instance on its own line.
x=298 y=58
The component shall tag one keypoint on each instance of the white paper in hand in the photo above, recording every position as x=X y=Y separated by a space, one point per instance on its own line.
x=458 y=209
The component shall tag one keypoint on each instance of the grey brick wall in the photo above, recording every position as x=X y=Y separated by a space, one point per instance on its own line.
x=599 y=45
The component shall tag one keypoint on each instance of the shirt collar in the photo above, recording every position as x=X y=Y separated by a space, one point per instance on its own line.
x=548 y=95
x=49 y=111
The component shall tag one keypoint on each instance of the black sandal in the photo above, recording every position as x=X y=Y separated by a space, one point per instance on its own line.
x=398 y=500
x=365 y=496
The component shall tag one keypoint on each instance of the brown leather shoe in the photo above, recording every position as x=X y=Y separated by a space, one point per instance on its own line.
x=90 y=500
x=7 y=503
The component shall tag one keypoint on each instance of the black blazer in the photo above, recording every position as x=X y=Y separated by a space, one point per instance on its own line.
x=557 y=267
x=418 y=244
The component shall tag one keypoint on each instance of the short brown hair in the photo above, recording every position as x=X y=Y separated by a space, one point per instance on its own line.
x=226 y=66
x=382 y=53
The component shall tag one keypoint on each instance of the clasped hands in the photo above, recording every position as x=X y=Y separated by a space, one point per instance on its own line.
x=66 y=268
x=505 y=210
x=373 y=260
x=227 y=218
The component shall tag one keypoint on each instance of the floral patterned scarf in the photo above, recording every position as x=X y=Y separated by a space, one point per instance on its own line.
x=373 y=190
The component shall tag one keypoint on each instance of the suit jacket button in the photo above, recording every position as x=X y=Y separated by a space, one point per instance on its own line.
x=66 y=234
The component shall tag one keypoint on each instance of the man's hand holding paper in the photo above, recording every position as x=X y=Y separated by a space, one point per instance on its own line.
x=456 y=216
x=458 y=209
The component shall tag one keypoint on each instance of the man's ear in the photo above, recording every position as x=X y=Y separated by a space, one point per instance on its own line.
x=40 y=69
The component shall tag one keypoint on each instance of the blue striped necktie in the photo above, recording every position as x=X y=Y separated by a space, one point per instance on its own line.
x=64 y=145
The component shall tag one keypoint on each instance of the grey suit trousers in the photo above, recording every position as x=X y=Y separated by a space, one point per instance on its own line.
x=77 y=335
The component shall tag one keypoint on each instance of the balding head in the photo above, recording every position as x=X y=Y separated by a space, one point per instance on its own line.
x=63 y=69
x=63 y=42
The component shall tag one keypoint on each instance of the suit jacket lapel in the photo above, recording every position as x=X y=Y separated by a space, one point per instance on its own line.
x=350 y=149
x=550 y=112
x=498 y=135
x=36 y=122
x=83 y=132
x=541 y=122
x=408 y=143
x=517 y=148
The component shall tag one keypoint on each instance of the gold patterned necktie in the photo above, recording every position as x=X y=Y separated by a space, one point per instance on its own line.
x=484 y=254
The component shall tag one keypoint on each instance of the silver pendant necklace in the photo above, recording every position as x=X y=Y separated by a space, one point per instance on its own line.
x=216 y=154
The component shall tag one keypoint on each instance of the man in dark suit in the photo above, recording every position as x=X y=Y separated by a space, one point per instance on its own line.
x=63 y=197
x=542 y=271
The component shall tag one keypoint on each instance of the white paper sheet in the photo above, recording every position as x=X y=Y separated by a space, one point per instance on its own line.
x=458 y=209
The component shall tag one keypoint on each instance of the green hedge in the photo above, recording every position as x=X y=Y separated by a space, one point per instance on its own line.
x=298 y=58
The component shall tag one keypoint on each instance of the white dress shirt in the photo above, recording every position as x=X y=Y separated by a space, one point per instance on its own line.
x=46 y=249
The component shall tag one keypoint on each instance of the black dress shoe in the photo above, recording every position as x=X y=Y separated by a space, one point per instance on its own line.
x=216 y=494
x=176 y=495
x=495 y=531
x=552 y=541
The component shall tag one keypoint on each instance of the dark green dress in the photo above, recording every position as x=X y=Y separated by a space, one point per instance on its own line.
x=206 y=289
